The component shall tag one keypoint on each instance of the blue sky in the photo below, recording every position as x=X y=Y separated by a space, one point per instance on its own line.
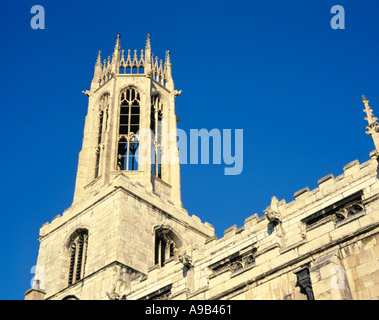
x=275 y=69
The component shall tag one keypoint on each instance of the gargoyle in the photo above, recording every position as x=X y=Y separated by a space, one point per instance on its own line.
x=177 y=93
x=272 y=215
x=272 y=212
x=186 y=260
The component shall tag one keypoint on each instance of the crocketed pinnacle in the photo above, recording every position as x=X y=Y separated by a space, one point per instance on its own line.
x=372 y=129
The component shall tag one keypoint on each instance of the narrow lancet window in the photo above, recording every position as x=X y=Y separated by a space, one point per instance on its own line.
x=156 y=128
x=101 y=116
x=102 y=126
x=128 y=142
x=97 y=162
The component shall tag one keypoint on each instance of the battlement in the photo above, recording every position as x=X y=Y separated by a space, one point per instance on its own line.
x=330 y=229
x=356 y=179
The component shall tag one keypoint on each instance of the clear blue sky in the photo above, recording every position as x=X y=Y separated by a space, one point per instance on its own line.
x=275 y=69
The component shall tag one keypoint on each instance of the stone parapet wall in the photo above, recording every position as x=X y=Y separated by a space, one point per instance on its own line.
x=330 y=234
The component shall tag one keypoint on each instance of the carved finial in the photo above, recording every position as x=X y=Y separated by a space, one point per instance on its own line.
x=118 y=36
x=148 y=55
x=148 y=44
x=371 y=119
x=168 y=57
x=95 y=83
x=135 y=58
x=98 y=60
x=116 y=56
x=141 y=60
x=372 y=129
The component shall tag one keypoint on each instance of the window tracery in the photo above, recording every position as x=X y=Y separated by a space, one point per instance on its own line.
x=128 y=143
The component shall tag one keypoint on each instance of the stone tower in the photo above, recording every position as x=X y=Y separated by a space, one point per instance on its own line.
x=126 y=235
x=126 y=217
x=131 y=125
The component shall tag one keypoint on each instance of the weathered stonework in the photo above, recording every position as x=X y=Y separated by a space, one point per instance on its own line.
x=143 y=245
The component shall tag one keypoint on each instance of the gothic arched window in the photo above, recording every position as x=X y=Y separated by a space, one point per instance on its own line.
x=78 y=252
x=167 y=244
x=102 y=126
x=156 y=128
x=127 y=157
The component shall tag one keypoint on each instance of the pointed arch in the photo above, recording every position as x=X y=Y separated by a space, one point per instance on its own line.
x=103 y=107
x=156 y=117
x=129 y=125
x=77 y=251
x=167 y=244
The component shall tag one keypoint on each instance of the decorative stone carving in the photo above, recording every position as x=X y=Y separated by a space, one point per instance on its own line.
x=235 y=262
x=113 y=295
x=186 y=260
x=373 y=125
x=271 y=215
x=348 y=211
x=124 y=275
x=340 y=211
x=177 y=93
x=242 y=262
x=272 y=212
x=149 y=74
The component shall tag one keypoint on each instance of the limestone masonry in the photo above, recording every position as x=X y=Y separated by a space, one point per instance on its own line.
x=127 y=236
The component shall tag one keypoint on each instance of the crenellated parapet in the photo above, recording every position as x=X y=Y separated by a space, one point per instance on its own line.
x=296 y=250
x=319 y=246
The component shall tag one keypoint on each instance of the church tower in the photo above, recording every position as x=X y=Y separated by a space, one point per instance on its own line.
x=126 y=217
x=131 y=125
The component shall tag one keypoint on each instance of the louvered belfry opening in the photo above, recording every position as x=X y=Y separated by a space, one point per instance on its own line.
x=78 y=252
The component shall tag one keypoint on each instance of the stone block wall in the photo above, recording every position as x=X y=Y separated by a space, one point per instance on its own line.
x=120 y=220
x=324 y=246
